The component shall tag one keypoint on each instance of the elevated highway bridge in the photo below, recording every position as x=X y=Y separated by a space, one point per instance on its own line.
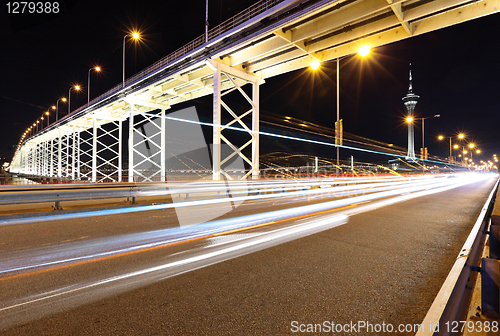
x=270 y=38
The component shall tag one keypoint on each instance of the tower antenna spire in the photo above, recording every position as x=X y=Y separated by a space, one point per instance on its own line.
x=410 y=89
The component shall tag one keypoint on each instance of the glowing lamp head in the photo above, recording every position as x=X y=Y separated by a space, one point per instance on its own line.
x=47 y=113
x=97 y=68
x=471 y=145
x=409 y=119
x=135 y=35
x=63 y=99
x=38 y=121
x=461 y=136
x=41 y=118
x=440 y=137
x=53 y=107
x=77 y=87
x=315 y=64
x=455 y=146
x=478 y=151
x=364 y=50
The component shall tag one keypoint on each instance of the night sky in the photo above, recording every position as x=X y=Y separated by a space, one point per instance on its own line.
x=455 y=71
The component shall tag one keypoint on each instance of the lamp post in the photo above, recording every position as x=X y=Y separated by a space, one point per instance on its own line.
x=136 y=36
x=363 y=51
x=471 y=146
x=459 y=136
x=57 y=107
x=48 y=114
x=206 y=22
x=77 y=88
x=97 y=68
x=423 y=129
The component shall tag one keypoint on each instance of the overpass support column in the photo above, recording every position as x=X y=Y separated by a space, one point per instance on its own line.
x=131 y=144
x=59 y=155
x=67 y=155
x=73 y=152
x=42 y=158
x=120 y=154
x=51 y=156
x=46 y=158
x=79 y=176
x=147 y=146
x=26 y=159
x=94 y=148
x=216 y=131
x=231 y=79
x=163 y=164
x=37 y=155
x=255 y=132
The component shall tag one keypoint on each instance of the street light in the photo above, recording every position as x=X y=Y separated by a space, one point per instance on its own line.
x=97 y=69
x=77 y=88
x=423 y=128
x=47 y=113
x=57 y=107
x=315 y=64
x=363 y=51
x=135 y=36
x=459 y=136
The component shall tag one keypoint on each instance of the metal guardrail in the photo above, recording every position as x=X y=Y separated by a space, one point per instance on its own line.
x=452 y=301
x=44 y=194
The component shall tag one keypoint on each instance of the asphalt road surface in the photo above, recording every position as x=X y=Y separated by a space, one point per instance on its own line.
x=383 y=265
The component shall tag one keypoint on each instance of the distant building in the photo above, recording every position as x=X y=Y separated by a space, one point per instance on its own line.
x=410 y=101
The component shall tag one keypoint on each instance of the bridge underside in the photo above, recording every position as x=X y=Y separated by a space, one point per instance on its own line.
x=88 y=144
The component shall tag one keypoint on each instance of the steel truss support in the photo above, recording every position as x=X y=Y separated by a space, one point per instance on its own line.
x=51 y=156
x=59 y=155
x=223 y=73
x=31 y=157
x=146 y=146
x=63 y=163
x=98 y=151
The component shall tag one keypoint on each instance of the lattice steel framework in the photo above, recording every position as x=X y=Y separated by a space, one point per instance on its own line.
x=106 y=151
x=224 y=73
x=150 y=167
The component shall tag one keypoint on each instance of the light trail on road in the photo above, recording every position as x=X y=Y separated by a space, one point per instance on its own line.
x=200 y=246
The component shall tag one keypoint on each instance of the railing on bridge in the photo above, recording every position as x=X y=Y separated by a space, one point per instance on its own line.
x=247 y=14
